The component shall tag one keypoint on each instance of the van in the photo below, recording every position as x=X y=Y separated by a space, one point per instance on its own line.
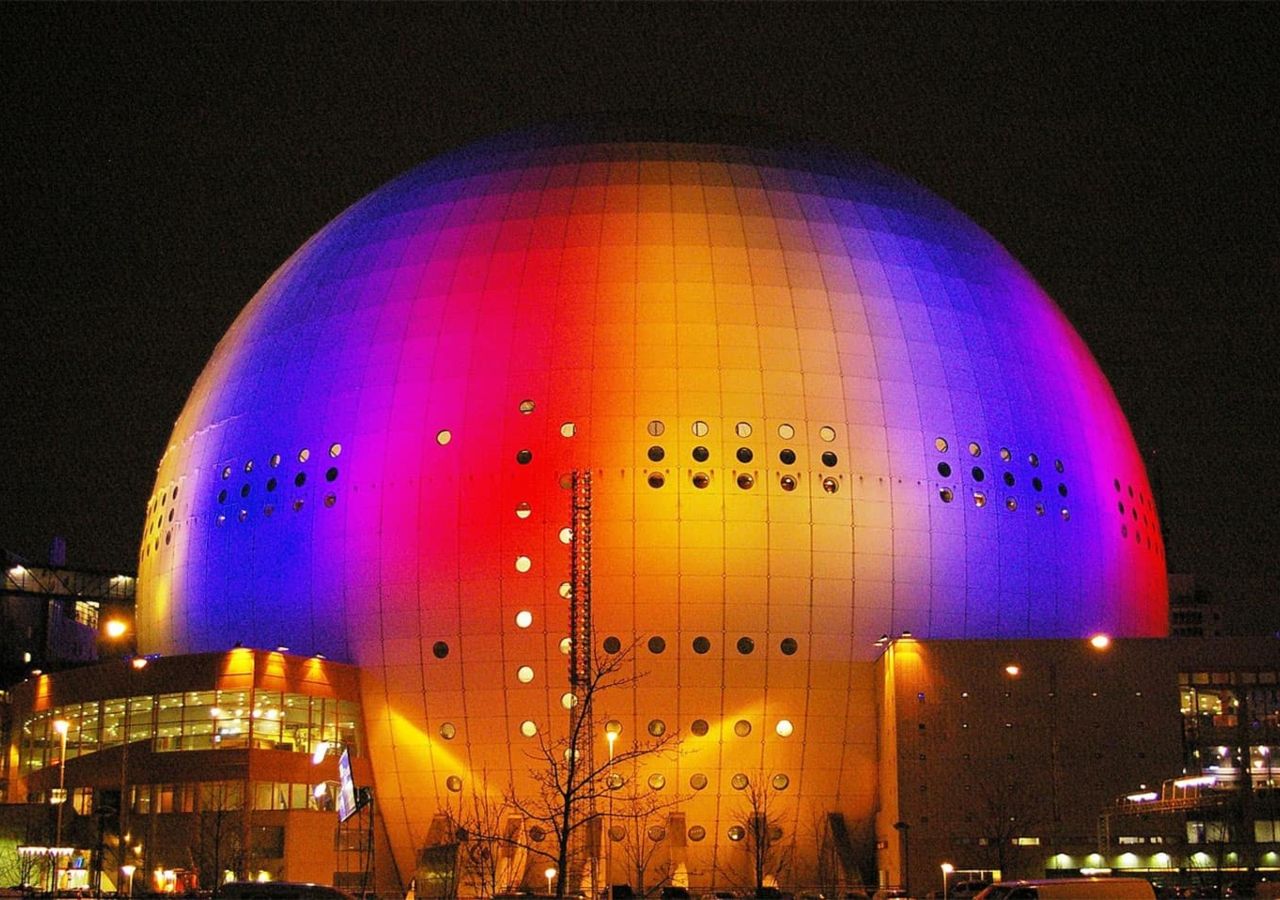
x=280 y=890
x=1071 y=889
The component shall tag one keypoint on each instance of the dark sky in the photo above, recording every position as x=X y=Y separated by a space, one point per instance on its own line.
x=159 y=162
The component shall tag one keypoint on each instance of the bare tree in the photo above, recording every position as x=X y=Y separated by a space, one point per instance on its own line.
x=479 y=826
x=568 y=780
x=217 y=842
x=758 y=831
x=640 y=828
x=1006 y=811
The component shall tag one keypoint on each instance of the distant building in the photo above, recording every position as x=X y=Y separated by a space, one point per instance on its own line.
x=1194 y=611
x=55 y=617
x=1154 y=757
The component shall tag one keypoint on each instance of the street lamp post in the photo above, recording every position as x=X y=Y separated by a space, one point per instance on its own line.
x=551 y=874
x=61 y=726
x=947 y=869
x=611 y=735
x=126 y=873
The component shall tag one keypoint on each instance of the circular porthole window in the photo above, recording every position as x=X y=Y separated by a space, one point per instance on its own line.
x=528 y=728
x=786 y=431
x=744 y=455
x=274 y=461
x=657 y=644
x=453 y=783
x=612 y=644
x=524 y=457
x=444 y=436
x=524 y=619
x=657 y=781
x=737 y=833
x=565 y=590
x=787 y=456
x=697 y=833
x=656 y=480
x=248 y=467
x=655 y=428
x=781 y=782
x=303 y=455
x=1005 y=455
x=617 y=832
x=448 y=731
x=657 y=727
x=978 y=474
x=523 y=510
x=698 y=781
x=742 y=430
x=1037 y=484
x=944 y=469
x=524 y=674
x=746 y=481
x=568 y=700
x=656 y=453
x=700 y=428
x=746 y=645
x=1062 y=490
x=300 y=479
x=830 y=485
x=787 y=483
x=526 y=407
x=701 y=644
x=979 y=499
x=829 y=459
x=946 y=494
x=1011 y=504
x=699 y=727
x=788 y=646
x=940 y=444
x=330 y=500
x=566 y=644
x=1058 y=466
x=827 y=433
x=226 y=472
x=701 y=480
x=1008 y=479
x=742 y=728
x=523 y=564
x=975 y=449
x=568 y=429
x=784 y=728
x=657 y=832
x=740 y=782
x=614 y=781
x=701 y=454
x=331 y=474
x=1033 y=459
x=335 y=450
x=566 y=535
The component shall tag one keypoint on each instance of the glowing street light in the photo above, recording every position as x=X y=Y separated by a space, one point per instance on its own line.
x=126 y=879
x=947 y=869
x=611 y=735
x=115 y=628
x=61 y=726
x=551 y=874
x=1013 y=670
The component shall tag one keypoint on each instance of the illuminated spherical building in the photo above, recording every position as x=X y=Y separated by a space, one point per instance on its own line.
x=818 y=406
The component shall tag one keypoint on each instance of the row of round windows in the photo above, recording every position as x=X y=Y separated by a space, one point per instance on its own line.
x=657 y=728
x=980 y=499
x=330 y=500
x=299 y=480
x=657 y=782
x=699 y=427
x=978 y=474
x=656 y=644
x=942 y=445
x=335 y=450
x=745 y=481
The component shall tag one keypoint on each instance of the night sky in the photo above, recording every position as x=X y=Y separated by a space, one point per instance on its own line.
x=159 y=162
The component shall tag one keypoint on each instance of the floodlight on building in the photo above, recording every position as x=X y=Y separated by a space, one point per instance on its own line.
x=1196 y=781
x=138 y=662
x=1142 y=797
x=115 y=628
x=1013 y=670
x=1100 y=641
x=282 y=649
x=321 y=751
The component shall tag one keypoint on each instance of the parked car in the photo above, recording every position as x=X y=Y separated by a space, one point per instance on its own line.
x=1071 y=889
